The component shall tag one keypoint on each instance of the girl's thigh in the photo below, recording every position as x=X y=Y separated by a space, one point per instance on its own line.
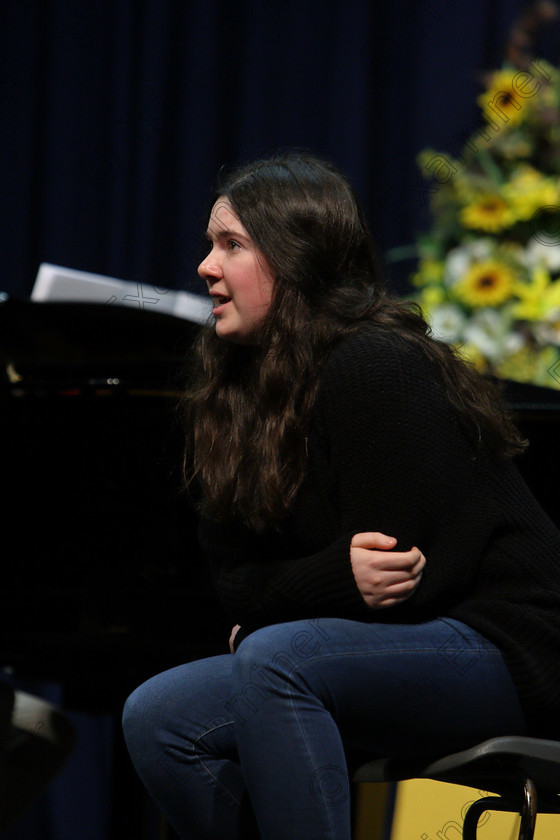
x=392 y=689
x=192 y=696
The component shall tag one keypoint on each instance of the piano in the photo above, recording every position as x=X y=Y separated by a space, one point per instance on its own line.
x=103 y=584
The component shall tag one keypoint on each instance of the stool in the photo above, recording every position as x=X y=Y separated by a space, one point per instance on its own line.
x=524 y=772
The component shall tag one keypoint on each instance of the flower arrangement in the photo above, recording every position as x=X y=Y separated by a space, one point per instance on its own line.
x=488 y=276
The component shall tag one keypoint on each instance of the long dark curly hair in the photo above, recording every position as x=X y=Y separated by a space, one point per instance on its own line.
x=248 y=406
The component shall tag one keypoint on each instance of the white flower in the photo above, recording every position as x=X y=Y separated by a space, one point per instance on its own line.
x=447 y=322
x=539 y=254
x=456 y=265
x=490 y=331
x=460 y=259
x=547 y=331
x=481 y=249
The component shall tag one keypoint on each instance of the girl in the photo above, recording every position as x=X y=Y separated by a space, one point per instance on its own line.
x=331 y=436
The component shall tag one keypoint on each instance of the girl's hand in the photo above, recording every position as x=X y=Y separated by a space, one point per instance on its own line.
x=232 y=637
x=385 y=578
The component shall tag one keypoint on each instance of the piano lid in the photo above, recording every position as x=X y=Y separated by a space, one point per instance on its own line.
x=59 y=345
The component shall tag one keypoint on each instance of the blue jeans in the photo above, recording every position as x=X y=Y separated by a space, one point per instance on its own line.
x=276 y=721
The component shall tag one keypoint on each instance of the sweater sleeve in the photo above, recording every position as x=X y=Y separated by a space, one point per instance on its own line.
x=259 y=588
x=388 y=443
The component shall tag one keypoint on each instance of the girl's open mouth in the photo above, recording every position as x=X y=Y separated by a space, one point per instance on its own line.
x=219 y=302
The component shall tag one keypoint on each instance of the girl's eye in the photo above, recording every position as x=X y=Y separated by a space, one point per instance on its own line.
x=232 y=245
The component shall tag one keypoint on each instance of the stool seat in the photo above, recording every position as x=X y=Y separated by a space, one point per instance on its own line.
x=525 y=772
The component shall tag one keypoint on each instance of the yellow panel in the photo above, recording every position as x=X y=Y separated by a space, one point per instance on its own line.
x=427 y=810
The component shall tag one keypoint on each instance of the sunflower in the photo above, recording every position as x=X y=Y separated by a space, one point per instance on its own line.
x=488 y=283
x=489 y=213
x=501 y=104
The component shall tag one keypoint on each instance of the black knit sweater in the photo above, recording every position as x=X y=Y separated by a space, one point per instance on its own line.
x=387 y=453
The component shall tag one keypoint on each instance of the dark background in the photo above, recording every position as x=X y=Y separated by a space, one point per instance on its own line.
x=116 y=116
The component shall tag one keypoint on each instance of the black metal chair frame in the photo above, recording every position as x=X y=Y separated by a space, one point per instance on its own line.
x=524 y=772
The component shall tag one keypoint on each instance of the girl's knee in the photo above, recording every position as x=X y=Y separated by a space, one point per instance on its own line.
x=133 y=716
x=264 y=646
x=278 y=651
x=140 y=716
x=287 y=645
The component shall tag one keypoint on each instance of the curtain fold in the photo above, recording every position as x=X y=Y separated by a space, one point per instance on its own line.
x=117 y=115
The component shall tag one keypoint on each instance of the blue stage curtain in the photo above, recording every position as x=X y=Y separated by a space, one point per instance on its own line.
x=116 y=115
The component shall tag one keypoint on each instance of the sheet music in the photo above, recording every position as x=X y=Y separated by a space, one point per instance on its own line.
x=58 y=283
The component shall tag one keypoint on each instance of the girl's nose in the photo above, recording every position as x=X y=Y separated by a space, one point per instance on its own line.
x=209 y=267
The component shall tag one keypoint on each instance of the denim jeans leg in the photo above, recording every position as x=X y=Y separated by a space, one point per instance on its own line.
x=180 y=737
x=306 y=692
x=278 y=718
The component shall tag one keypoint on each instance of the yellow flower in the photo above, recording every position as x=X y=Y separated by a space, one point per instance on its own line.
x=430 y=271
x=533 y=304
x=488 y=212
x=432 y=296
x=532 y=365
x=465 y=190
x=552 y=296
x=502 y=104
x=528 y=191
x=471 y=354
x=429 y=298
x=520 y=366
x=488 y=283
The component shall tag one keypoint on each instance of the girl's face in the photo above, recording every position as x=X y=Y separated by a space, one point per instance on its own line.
x=238 y=277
